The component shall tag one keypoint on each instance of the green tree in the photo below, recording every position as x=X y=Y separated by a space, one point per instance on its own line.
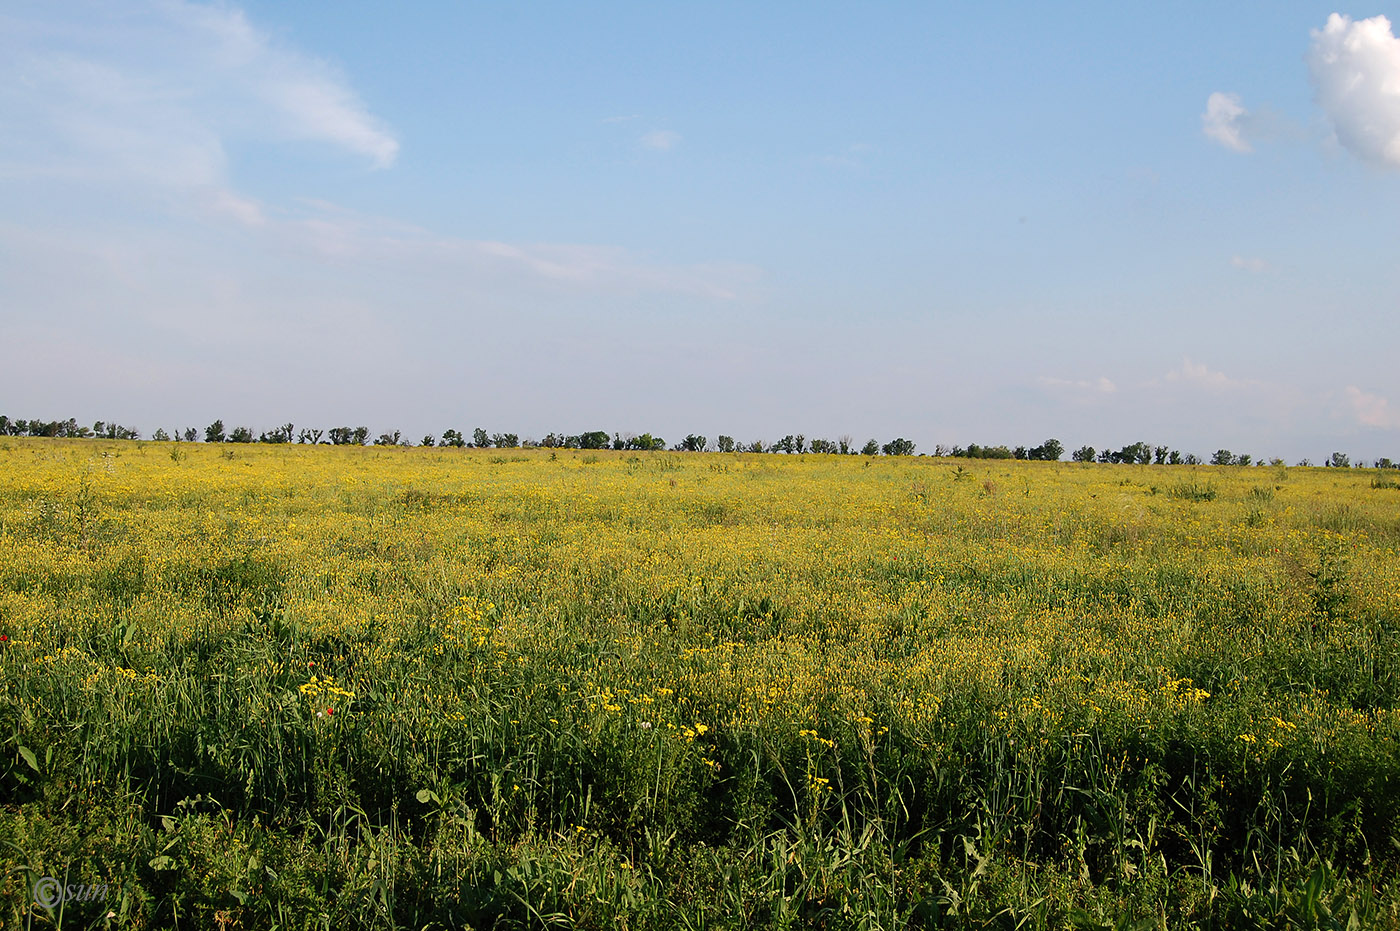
x=898 y=447
x=480 y=439
x=1083 y=454
x=214 y=433
x=871 y=448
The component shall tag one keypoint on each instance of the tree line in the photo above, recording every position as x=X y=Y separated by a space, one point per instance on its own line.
x=1051 y=450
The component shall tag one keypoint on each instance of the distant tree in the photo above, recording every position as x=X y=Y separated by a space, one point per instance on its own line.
x=241 y=435
x=619 y=442
x=1174 y=457
x=1049 y=451
x=69 y=428
x=1020 y=452
x=479 y=439
x=823 y=446
x=1159 y=455
x=799 y=443
x=1384 y=463
x=725 y=443
x=593 y=439
x=1191 y=459
x=388 y=439
x=214 y=433
x=282 y=434
x=756 y=446
x=974 y=451
x=310 y=435
x=694 y=443
x=453 y=438
x=342 y=436
x=785 y=445
x=1305 y=462
x=1222 y=457
x=871 y=448
x=646 y=442
x=160 y=436
x=1243 y=459
x=898 y=447
x=845 y=445
x=1339 y=461
x=191 y=434
x=505 y=440
x=1083 y=454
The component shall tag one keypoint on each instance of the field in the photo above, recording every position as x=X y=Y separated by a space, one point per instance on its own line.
x=248 y=686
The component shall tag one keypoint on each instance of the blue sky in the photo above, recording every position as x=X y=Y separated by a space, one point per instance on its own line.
x=943 y=222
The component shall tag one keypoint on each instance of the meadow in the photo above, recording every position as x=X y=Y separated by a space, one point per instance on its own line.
x=251 y=686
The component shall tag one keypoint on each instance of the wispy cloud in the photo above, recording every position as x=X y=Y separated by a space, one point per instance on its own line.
x=661 y=140
x=853 y=156
x=1101 y=385
x=1197 y=373
x=1355 y=67
x=156 y=92
x=1225 y=121
x=1249 y=264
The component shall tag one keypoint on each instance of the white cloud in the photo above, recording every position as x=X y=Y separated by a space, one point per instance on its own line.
x=661 y=140
x=1355 y=67
x=1100 y=385
x=1249 y=264
x=1226 y=120
x=1371 y=410
x=1197 y=373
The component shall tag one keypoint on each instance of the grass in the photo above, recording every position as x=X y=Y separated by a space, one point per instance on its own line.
x=423 y=688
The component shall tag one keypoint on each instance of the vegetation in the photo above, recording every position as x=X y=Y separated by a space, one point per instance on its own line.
x=1051 y=450
x=376 y=687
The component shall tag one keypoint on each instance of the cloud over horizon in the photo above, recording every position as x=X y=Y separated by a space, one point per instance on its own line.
x=1371 y=410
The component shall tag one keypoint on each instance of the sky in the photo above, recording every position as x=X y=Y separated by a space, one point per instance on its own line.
x=953 y=222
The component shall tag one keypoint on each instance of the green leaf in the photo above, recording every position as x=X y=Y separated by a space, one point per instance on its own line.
x=163 y=863
x=29 y=758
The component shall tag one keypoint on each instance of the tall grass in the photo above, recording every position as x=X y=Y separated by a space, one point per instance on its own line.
x=436 y=688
